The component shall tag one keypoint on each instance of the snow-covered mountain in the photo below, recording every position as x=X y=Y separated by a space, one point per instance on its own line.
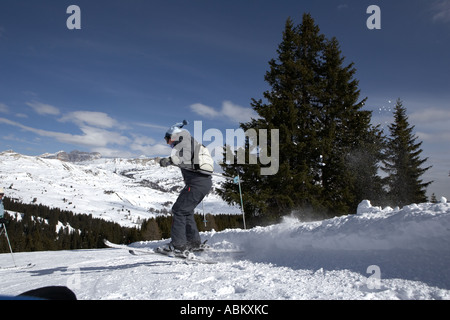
x=379 y=253
x=120 y=190
x=74 y=156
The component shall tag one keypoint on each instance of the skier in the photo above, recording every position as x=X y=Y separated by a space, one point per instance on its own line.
x=2 y=208
x=184 y=232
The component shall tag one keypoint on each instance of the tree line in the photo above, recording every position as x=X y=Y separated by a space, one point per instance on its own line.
x=331 y=157
x=38 y=227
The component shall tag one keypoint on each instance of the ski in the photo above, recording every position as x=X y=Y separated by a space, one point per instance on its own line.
x=27 y=266
x=214 y=250
x=208 y=249
x=190 y=257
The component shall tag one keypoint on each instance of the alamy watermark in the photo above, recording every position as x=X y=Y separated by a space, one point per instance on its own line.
x=374 y=21
x=74 y=21
x=74 y=280
x=242 y=147
x=374 y=281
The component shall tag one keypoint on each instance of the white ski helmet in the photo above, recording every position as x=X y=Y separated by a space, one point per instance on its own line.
x=175 y=129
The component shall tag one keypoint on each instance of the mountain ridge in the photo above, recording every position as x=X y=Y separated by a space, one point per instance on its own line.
x=73 y=156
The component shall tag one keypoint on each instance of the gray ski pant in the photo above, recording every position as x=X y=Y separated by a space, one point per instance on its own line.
x=184 y=231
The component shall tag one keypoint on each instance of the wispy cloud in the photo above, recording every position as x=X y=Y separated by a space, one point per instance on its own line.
x=430 y=115
x=230 y=111
x=21 y=115
x=98 y=131
x=4 y=108
x=432 y=124
x=43 y=109
x=151 y=126
x=434 y=137
x=204 y=110
x=91 y=137
x=149 y=149
x=91 y=118
x=237 y=113
x=441 y=11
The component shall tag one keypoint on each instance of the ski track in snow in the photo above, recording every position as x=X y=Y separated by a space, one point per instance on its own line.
x=332 y=259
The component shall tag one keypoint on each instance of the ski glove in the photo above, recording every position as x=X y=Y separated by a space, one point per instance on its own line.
x=165 y=162
x=175 y=160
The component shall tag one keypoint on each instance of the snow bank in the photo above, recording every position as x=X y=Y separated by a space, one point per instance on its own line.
x=412 y=242
x=424 y=226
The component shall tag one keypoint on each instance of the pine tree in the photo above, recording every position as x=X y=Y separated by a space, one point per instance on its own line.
x=289 y=107
x=403 y=162
x=314 y=102
x=150 y=230
x=350 y=146
x=433 y=198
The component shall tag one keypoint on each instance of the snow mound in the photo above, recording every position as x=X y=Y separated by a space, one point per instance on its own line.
x=424 y=226
x=412 y=242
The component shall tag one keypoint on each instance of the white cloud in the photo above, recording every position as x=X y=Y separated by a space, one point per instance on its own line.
x=205 y=111
x=146 y=146
x=43 y=109
x=143 y=140
x=231 y=111
x=237 y=113
x=432 y=124
x=99 y=137
x=151 y=126
x=430 y=115
x=98 y=132
x=92 y=124
x=434 y=137
x=441 y=11
x=4 y=108
x=91 y=137
x=150 y=150
x=91 y=118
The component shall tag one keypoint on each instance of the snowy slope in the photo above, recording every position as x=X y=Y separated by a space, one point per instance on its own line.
x=379 y=253
x=119 y=190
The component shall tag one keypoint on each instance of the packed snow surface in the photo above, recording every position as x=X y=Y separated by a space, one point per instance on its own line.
x=378 y=253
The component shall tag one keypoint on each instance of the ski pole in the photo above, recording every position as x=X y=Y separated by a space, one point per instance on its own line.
x=204 y=215
x=9 y=244
x=204 y=172
x=242 y=202
x=200 y=171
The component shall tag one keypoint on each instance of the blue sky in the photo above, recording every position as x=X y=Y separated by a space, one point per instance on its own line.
x=138 y=66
